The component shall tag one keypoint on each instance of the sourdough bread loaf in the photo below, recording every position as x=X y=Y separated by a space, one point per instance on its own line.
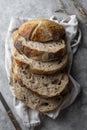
x=33 y=100
x=46 y=86
x=39 y=67
x=39 y=61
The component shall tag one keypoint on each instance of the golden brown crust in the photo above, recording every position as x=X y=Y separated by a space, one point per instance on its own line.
x=42 y=30
x=26 y=29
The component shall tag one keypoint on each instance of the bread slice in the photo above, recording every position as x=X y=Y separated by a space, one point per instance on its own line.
x=39 y=51
x=42 y=30
x=46 y=86
x=39 y=67
x=34 y=101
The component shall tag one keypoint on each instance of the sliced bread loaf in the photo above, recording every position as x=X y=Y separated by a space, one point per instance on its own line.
x=46 y=86
x=39 y=67
x=34 y=101
x=39 y=51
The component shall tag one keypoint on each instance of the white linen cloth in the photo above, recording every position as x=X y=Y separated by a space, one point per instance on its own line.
x=32 y=118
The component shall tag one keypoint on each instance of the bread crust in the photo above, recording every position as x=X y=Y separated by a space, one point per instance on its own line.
x=42 y=30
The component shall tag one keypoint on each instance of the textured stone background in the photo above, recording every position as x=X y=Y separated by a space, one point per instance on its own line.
x=75 y=116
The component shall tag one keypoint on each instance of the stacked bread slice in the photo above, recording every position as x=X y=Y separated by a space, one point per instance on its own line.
x=40 y=58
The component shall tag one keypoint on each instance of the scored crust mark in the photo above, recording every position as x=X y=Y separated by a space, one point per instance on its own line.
x=26 y=30
x=33 y=100
x=48 y=31
x=41 y=33
x=32 y=32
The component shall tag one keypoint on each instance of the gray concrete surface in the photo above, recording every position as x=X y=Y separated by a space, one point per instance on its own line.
x=75 y=116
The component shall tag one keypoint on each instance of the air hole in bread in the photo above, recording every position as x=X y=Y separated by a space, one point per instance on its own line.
x=42 y=77
x=27 y=67
x=15 y=80
x=59 y=43
x=51 y=55
x=19 y=81
x=50 y=46
x=24 y=98
x=59 y=82
x=32 y=81
x=24 y=72
x=39 y=63
x=45 y=104
x=54 y=81
x=22 y=85
x=45 y=84
x=22 y=67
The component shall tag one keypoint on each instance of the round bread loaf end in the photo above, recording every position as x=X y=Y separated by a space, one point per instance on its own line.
x=42 y=30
